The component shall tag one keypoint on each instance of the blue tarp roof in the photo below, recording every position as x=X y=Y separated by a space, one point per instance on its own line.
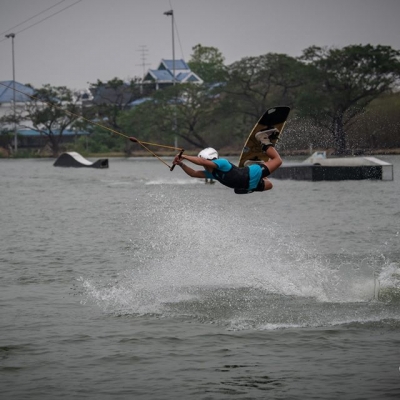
x=7 y=93
x=67 y=132
x=139 y=101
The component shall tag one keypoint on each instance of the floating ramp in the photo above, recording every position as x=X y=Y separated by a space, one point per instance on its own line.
x=319 y=168
x=73 y=159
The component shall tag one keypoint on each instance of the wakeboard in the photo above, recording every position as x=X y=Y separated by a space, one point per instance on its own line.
x=273 y=118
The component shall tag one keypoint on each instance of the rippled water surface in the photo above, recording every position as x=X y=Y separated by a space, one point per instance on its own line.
x=140 y=283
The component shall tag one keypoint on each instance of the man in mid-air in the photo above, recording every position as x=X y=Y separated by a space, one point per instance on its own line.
x=248 y=179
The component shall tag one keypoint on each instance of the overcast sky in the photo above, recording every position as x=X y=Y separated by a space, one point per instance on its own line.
x=103 y=39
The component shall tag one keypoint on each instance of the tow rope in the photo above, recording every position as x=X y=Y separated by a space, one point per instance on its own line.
x=132 y=139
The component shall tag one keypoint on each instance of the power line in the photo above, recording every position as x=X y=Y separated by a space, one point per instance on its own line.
x=36 y=15
x=143 y=50
x=44 y=19
x=177 y=32
x=179 y=39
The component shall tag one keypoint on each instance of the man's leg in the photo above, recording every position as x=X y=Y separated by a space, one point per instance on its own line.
x=274 y=161
x=272 y=164
x=267 y=184
x=265 y=137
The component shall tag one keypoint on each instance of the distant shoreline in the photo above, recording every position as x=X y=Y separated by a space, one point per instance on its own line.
x=225 y=153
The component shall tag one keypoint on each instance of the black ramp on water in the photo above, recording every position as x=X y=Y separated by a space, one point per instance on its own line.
x=73 y=159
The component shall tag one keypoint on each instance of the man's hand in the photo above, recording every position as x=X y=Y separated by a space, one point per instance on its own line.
x=178 y=159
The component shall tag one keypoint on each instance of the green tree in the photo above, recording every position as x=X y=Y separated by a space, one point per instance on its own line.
x=51 y=112
x=257 y=83
x=6 y=140
x=379 y=126
x=342 y=82
x=112 y=97
x=182 y=111
x=110 y=100
x=208 y=64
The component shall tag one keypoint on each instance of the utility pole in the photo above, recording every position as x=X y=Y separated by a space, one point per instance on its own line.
x=12 y=36
x=143 y=50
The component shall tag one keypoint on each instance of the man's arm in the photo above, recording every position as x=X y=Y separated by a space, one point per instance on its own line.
x=195 y=160
x=191 y=172
x=199 y=161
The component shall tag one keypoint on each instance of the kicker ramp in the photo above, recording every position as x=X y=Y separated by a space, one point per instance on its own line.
x=75 y=160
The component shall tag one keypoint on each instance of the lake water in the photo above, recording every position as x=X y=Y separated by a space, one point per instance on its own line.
x=140 y=283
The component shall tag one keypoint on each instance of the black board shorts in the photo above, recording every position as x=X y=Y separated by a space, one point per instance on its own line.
x=260 y=186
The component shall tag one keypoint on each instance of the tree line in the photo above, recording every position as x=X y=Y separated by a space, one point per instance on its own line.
x=345 y=99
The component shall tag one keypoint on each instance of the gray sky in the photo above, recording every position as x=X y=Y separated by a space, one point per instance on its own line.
x=102 y=39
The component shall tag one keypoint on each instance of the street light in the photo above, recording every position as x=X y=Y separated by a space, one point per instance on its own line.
x=171 y=13
x=12 y=36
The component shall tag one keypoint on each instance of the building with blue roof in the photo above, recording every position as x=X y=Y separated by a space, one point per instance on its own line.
x=22 y=92
x=167 y=73
x=22 y=96
x=170 y=72
x=28 y=137
x=169 y=65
